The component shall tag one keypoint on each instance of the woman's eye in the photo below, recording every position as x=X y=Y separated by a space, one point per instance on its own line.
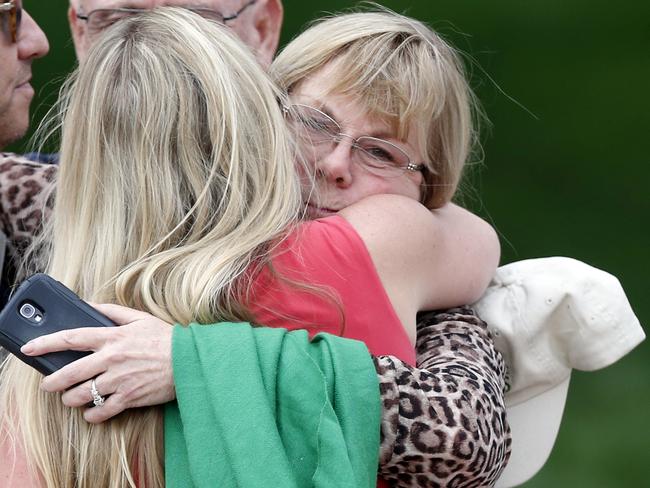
x=380 y=154
x=320 y=125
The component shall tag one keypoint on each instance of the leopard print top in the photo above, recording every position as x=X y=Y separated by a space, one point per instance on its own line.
x=24 y=190
x=443 y=422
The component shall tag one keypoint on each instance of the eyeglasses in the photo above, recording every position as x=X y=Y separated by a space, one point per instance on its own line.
x=100 y=19
x=319 y=134
x=12 y=14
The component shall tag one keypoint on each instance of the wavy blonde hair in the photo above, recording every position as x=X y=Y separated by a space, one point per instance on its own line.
x=402 y=72
x=176 y=177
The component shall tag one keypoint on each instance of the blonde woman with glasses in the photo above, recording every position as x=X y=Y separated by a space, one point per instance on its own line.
x=381 y=106
x=191 y=211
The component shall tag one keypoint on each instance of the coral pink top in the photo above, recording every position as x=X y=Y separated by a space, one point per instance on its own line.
x=346 y=295
x=348 y=298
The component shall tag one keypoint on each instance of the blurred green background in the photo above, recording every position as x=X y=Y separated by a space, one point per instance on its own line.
x=566 y=175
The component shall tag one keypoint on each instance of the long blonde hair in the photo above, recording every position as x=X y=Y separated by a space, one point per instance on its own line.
x=176 y=179
x=402 y=72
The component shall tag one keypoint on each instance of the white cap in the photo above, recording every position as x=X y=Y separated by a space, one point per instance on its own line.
x=549 y=316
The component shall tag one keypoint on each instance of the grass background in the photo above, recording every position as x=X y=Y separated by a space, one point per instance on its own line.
x=570 y=180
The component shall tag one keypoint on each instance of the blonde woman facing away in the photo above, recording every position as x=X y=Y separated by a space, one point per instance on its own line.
x=191 y=211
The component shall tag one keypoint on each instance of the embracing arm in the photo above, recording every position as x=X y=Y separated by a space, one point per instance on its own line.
x=470 y=252
x=445 y=420
x=445 y=257
x=448 y=410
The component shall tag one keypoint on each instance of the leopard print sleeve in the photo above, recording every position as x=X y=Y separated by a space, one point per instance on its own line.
x=444 y=422
x=25 y=187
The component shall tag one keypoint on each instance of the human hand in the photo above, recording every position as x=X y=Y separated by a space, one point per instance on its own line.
x=131 y=364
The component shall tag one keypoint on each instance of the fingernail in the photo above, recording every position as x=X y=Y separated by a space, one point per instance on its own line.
x=27 y=348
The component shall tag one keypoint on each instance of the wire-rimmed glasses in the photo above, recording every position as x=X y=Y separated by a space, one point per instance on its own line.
x=319 y=134
x=100 y=19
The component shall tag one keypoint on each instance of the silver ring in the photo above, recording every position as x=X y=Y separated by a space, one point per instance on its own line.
x=98 y=400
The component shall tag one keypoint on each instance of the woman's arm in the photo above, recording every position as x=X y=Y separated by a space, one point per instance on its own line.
x=450 y=407
x=427 y=260
x=445 y=419
x=471 y=252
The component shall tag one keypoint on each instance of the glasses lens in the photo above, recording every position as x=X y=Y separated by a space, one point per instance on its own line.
x=19 y=15
x=313 y=124
x=101 y=19
x=14 y=18
x=315 y=131
x=381 y=157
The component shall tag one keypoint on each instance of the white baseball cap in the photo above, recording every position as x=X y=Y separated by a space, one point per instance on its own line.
x=549 y=316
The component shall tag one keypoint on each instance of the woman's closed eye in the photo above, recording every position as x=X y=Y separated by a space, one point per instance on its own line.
x=380 y=153
x=320 y=125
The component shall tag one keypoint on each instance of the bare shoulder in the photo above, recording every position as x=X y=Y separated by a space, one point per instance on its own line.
x=400 y=234
x=388 y=216
x=445 y=257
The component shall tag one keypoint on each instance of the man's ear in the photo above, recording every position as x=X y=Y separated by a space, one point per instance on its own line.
x=268 y=23
x=75 y=27
x=73 y=20
x=77 y=30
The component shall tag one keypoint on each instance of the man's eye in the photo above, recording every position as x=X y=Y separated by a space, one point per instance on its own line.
x=208 y=14
x=104 y=20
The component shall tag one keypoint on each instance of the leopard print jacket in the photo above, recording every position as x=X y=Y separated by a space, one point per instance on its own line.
x=24 y=190
x=443 y=422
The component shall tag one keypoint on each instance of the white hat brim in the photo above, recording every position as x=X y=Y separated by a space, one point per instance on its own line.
x=534 y=424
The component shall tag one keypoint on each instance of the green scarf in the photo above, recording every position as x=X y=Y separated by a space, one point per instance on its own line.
x=263 y=407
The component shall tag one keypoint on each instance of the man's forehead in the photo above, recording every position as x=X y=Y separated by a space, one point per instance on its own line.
x=89 y=5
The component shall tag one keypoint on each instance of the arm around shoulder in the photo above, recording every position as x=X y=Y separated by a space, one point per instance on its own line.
x=444 y=258
x=451 y=407
x=472 y=251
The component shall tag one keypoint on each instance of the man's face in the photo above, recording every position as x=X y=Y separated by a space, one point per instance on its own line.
x=258 y=25
x=16 y=92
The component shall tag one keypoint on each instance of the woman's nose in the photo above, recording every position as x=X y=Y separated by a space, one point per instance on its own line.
x=336 y=164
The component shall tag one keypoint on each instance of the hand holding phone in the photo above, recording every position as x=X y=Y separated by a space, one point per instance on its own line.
x=131 y=363
x=40 y=306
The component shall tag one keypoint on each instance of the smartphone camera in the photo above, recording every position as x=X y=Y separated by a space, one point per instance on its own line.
x=31 y=313
x=27 y=310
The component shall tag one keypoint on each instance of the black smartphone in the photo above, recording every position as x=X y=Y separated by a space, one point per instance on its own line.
x=40 y=306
